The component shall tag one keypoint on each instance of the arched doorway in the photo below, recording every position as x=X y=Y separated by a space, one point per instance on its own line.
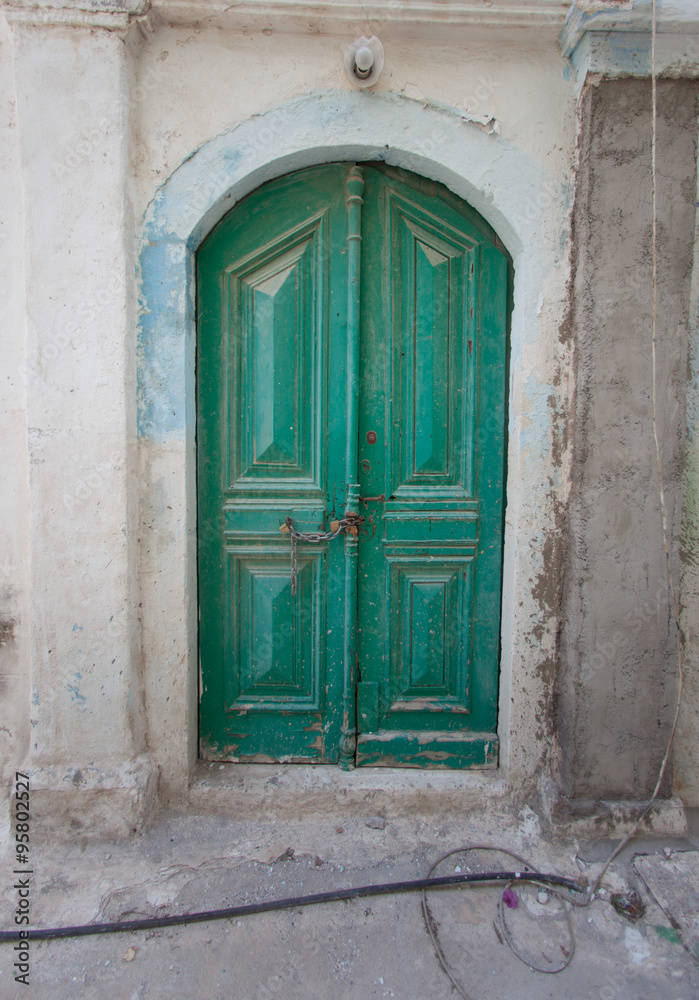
x=336 y=383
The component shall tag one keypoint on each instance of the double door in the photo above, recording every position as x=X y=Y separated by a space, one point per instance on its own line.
x=351 y=365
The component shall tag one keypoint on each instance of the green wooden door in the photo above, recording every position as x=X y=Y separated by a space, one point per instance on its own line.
x=431 y=440
x=334 y=381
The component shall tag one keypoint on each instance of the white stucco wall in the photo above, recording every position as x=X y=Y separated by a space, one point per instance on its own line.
x=191 y=84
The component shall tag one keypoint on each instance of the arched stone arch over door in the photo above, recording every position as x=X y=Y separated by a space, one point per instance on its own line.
x=336 y=382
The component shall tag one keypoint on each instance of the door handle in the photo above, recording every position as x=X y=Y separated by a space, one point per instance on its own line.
x=367 y=500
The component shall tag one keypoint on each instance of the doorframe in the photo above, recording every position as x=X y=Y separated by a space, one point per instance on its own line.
x=529 y=209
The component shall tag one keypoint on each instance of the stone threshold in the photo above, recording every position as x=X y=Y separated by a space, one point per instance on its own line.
x=118 y=801
x=297 y=791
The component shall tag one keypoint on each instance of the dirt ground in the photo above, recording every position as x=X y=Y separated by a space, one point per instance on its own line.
x=361 y=948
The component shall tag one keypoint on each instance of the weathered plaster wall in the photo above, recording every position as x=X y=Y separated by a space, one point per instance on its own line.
x=618 y=653
x=131 y=144
x=82 y=659
x=14 y=481
x=686 y=758
x=189 y=84
x=518 y=179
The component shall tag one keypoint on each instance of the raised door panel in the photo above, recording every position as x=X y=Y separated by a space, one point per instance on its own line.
x=277 y=303
x=428 y=342
x=273 y=636
x=429 y=607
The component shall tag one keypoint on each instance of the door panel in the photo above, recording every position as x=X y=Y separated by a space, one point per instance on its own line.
x=276 y=303
x=433 y=362
x=430 y=636
x=428 y=364
x=272 y=302
x=273 y=637
x=418 y=593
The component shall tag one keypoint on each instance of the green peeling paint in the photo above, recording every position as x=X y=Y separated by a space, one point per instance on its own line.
x=667 y=934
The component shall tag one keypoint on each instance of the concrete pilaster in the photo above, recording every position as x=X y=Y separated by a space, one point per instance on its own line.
x=72 y=109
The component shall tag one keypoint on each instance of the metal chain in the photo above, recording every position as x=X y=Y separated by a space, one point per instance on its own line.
x=350 y=522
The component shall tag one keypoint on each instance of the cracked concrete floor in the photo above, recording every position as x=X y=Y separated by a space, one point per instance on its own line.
x=350 y=950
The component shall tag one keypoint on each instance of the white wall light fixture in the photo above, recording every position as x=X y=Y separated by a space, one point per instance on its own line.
x=364 y=62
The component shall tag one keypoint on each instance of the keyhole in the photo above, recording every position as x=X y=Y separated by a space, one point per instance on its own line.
x=371 y=437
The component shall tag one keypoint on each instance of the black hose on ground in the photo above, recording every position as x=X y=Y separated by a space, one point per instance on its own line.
x=146 y=923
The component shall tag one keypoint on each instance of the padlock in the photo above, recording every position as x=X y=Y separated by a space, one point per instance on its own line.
x=334 y=526
x=284 y=528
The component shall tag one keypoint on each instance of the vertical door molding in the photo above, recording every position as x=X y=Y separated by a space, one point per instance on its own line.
x=354 y=188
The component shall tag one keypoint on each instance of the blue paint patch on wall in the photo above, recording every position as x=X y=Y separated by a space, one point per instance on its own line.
x=613 y=52
x=537 y=428
x=173 y=231
x=202 y=179
x=76 y=695
x=166 y=310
